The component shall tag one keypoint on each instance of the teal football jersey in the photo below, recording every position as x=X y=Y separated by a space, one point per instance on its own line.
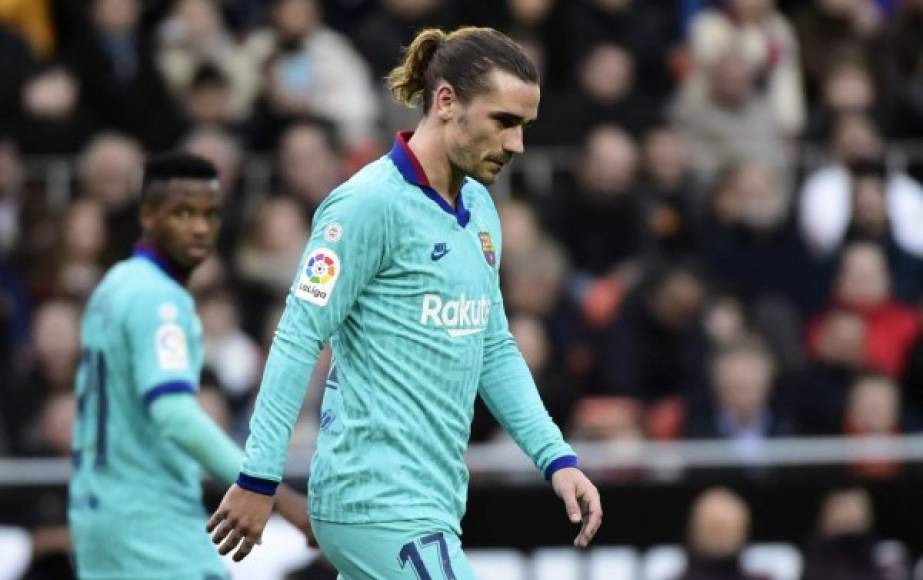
x=405 y=287
x=135 y=505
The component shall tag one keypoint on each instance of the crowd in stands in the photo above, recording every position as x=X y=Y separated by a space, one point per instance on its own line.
x=729 y=245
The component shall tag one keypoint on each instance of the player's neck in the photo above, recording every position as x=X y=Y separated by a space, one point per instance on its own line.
x=429 y=148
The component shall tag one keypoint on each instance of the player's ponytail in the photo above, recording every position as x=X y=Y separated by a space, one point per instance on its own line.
x=464 y=58
x=407 y=81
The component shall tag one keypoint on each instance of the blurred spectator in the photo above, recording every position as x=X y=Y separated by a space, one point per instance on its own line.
x=863 y=287
x=908 y=57
x=729 y=119
x=54 y=118
x=829 y=30
x=310 y=165
x=725 y=321
x=670 y=203
x=12 y=195
x=764 y=38
x=80 y=257
x=656 y=348
x=844 y=547
x=873 y=407
x=268 y=256
x=207 y=100
x=754 y=251
x=212 y=400
x=719 y=527
x=825 y=200
x=49 y=369
x=194 y=38
x=820 y=400
x=232 y=354
x=848 y=89
x=114 y=59
x=645 y=28
x=741 y=409
x=605 y=92
x=308 y=69
x=598 y=217
x=110 y=171
x=607 y=419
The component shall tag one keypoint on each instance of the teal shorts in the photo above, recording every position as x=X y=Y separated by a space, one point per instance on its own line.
x=413 y=550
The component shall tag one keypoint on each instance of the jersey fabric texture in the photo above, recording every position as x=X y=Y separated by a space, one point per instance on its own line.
x=135 y=506
x=405 y=287
x=394 y=550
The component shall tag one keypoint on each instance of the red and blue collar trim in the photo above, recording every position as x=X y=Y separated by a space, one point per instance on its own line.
x=410 y=168
x=168 y=266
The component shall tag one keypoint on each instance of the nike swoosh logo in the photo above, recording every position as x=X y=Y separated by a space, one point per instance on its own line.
x=436 y=256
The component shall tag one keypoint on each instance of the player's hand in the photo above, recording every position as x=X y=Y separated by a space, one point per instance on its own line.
x=581 y=499
x=239 y=519
x=293 y=506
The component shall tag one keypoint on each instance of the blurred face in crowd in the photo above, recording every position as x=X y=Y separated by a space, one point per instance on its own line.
x=293 y=19
x=530 y=12
x=870 y=213
x=719 y=525
x=110 y=171
x=607 y=73
x=763 y=203
x=520 y=226
x=218 y=314
x=863 y=278
x=610 y=163
x=84 y=231
x=874 y=406
x=411 y=9
x=752 y=9
x=846 y=512
x=52 y=94
x=849 y=89
x=484 y=134
x=666 y=156
x=209 y=104
x=854 y=137
x=116 y=16
x=199 y=18
x=607 y=419
x=842 y=340
x=534 y=278
x=310 y=167
x=678 y=301
x=280 y=226
x=742 y=380
x=183 y=221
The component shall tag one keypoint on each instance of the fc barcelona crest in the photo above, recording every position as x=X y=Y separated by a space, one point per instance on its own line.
x=487 y=246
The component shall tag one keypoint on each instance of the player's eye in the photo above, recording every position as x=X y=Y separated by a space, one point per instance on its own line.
x=183 y=213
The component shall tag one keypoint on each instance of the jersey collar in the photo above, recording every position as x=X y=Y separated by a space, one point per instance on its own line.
x=168 y=266
x=410 y=168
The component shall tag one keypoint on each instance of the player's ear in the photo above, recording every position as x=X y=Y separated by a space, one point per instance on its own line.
x=444 y=101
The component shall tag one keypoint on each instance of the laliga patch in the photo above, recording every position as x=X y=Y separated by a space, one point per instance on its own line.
x=171 y=347
x=318 y=277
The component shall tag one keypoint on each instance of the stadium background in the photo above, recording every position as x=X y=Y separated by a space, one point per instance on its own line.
x=713 y=254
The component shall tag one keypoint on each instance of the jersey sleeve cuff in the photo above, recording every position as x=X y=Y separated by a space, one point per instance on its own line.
x=560 y=463
x=257 y=484
x=166 y=388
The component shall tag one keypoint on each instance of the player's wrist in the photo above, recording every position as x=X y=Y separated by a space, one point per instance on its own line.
x=257 y=484
x=560 y=463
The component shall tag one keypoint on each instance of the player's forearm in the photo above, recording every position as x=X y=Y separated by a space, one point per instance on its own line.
x=182 y=420
x=278 y=404
x=509 y=391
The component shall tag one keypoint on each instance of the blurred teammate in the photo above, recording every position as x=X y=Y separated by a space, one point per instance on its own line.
x=135 y=505
x=401 y=275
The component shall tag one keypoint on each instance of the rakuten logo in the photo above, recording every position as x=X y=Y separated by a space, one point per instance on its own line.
x=459 y=317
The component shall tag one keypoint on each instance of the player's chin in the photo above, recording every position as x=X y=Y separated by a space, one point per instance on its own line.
x=488 y=174
x=195 y=255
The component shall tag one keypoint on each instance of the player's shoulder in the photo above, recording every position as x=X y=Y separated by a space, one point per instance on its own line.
x=372 y=187
x=137 y=282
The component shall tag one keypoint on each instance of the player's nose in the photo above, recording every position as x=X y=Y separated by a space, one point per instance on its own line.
x=513 y=143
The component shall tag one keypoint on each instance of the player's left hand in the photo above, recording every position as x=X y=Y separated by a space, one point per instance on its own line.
x=239 y=519
x=581 y=499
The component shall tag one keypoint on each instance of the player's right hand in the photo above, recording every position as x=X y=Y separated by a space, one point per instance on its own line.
x=239 y=519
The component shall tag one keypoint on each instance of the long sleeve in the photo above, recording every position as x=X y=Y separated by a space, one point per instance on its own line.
x=180 y=418
x=508 y=389
x=346 y=249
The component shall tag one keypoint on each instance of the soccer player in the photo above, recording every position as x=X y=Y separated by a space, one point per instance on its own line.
x=401 y=275
x=135 y=505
